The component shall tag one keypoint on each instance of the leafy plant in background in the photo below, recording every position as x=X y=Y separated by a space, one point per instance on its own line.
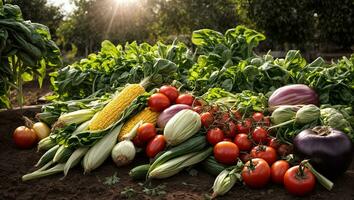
x=114 y=66
x=26 y=50
x=218 y=53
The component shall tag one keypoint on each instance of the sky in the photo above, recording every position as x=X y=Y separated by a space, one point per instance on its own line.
x=66 y=6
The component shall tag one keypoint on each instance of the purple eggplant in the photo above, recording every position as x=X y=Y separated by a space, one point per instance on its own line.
x=296 y=94
x=330 y=151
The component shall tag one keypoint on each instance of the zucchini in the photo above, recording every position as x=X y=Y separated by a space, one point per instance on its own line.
x=211 y=166
x=47 y=156
x=192 y=145
x=139 y=172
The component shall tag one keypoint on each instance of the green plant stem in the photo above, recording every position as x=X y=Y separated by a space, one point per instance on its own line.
x=323 y=180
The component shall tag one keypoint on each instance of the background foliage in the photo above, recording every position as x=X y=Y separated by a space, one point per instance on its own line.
x=308 y=25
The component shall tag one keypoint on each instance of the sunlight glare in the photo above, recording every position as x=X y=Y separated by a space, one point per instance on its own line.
x=126 y=2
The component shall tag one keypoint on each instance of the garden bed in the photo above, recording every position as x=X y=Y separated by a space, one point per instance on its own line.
x=15 y=163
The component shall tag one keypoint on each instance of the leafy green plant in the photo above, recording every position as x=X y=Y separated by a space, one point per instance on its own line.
x=114 y=66
x=111 y=180
x=26 y=51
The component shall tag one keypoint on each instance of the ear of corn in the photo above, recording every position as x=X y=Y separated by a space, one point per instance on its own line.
x=192 y=145
x=46 y=144
x=74 y=159
x=98 y=153
x=227 y=179
x=76 y=117
x=146 y=115
x=114 y=109
x=175 y=165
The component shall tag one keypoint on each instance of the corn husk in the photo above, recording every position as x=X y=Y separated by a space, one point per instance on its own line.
x=181 y=127
x=176 y=165
x=98 y=153
x=74 y=159
x=62 y=154
x=45 y=144
x=227 y=179
x=76 y=117
x=83 y=127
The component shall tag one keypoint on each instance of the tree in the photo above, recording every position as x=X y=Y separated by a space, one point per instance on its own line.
x=40 y=12
x=335 y=21
x=182 y=17
x=96 y=20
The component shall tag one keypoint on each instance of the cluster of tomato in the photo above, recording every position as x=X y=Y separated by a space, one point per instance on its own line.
x=249 y=140
x=147 y=136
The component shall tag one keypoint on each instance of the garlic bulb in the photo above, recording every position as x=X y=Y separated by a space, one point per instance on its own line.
x=123 y=152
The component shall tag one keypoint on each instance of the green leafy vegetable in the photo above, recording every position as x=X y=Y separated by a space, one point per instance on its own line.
x=26 y=51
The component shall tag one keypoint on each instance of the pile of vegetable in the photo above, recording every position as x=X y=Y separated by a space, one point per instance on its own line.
x=244 y=118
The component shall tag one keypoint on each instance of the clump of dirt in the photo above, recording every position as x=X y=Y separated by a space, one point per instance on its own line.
x=14 y=163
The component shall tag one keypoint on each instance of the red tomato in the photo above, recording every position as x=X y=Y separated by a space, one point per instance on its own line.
x=273 y=143
x=237 y=115
x=225 y=117
x=198 y=109
x=137 y=142
x=298 y=183
x=215 y=136
x=242 y=141
x=230 y=129
x=266 y=121
x=257 y=116
x=277 y=171
x=24 y=137
x=185 y=99
x=207 y=119
x=146 y=132
x=159 y=102
x=267 y=153
x=285 y=149
x=244 y=127
x=155 y=146
x=259 y=135
x=245 y=157
x=256 y=173
x=214 y=109
x=226 y=152
x=170 y=91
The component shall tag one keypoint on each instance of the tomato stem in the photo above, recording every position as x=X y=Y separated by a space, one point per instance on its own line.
x=323 y=180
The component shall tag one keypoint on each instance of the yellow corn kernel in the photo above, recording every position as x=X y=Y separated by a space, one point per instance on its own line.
x=114 y=109
x=146 y=115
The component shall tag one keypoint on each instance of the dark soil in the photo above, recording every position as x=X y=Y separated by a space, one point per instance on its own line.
x=32 y=93
x=14 y=163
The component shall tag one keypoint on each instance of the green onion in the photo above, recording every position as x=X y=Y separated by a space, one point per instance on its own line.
x=39 y=174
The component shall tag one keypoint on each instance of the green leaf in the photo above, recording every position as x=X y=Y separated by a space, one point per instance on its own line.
x=27 y=77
